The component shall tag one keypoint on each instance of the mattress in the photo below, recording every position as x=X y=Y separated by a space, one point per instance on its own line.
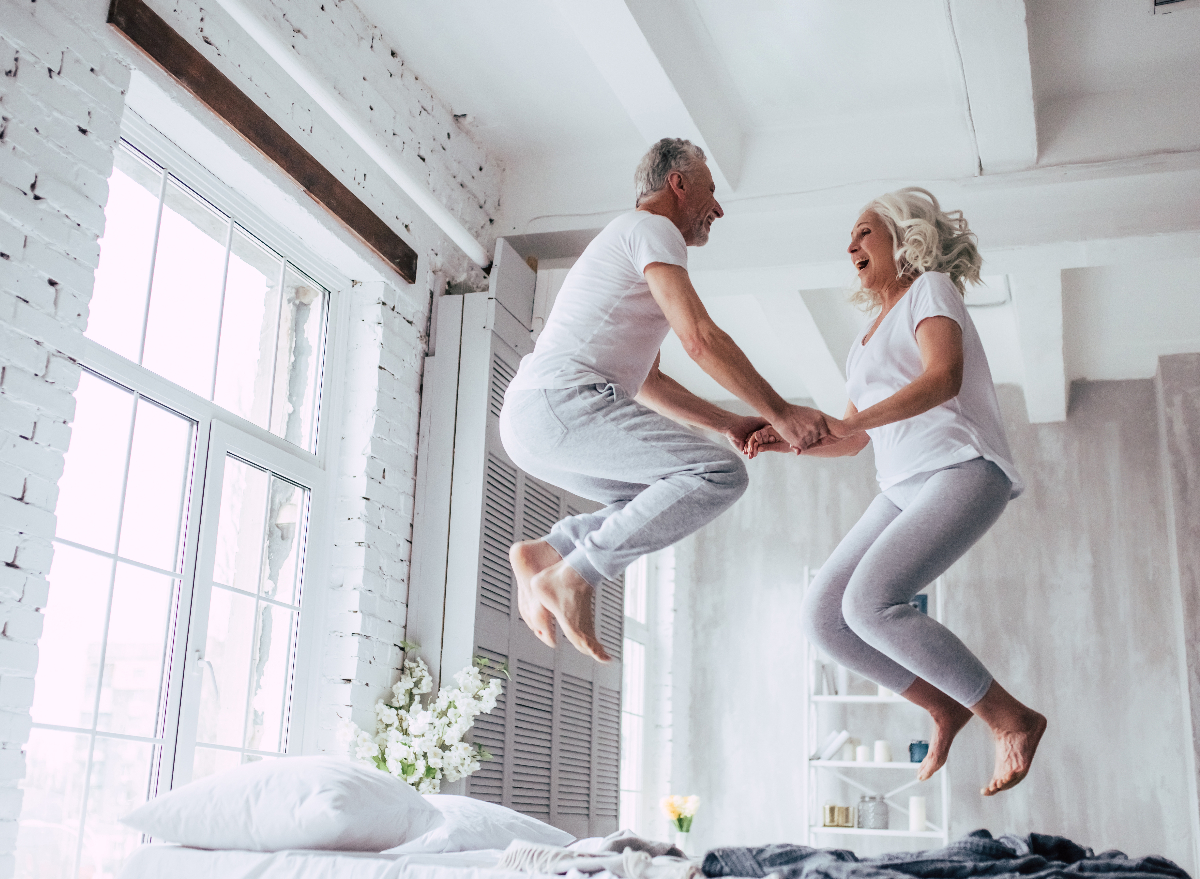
x=179 y=862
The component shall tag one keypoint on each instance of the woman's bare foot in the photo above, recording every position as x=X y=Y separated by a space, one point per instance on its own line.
x=529 y=558
x=948 y=720
x=1014 y=752
x=948 y=716
x=563 y=591
x=1017 y=730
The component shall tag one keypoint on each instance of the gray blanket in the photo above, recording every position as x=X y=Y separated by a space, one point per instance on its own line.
x=1036 y=856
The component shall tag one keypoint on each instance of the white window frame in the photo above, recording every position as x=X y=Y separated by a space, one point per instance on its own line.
x=219 y=431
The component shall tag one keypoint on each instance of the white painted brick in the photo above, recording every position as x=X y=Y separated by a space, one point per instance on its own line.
x=41 y=493
x=23 y=624
x=10 y=803
x=16 y=693
x=47 y=329
x=12 y=583
x=18 y=657
x=24 y=387
x=41 y=48
x=8 y=547
x=35 y=459
x=19 y=516
x=12 y=481
x=20 y=350
x=15 y=171
x=15 y=726
x=37 y=592
x=34 y=554
x=64 y=373
x=17 y=419
x=22 y=280
x=76 y=275
x=53 y=433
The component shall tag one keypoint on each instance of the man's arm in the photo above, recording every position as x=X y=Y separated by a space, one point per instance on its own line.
x=668 y=397
x=718 y=355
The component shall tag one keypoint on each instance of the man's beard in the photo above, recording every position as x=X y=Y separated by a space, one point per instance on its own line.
x=700 y=232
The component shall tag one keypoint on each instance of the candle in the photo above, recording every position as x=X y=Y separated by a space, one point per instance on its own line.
x=862 y=754
x=916 y=813
x=883 y=751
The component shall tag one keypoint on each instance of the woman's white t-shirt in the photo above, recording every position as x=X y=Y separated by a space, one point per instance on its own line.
x=605 y=326
x=965 y=427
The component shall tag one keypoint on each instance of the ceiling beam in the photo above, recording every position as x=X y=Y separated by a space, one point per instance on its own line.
x=993 y=46
x=658 y=72
x=1037 y=299
x=794 y=326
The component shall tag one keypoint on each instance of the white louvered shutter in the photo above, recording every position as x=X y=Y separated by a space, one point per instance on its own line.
x=555 y=737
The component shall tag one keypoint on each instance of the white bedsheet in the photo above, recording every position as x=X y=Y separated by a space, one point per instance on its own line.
x=177 y=862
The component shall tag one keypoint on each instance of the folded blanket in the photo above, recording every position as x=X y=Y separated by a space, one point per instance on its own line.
x=621 y=855
x=1036 y=856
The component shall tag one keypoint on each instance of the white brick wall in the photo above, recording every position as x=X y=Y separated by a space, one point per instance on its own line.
x=61 y=99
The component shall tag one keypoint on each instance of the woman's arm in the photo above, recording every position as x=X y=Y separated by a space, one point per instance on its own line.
x=767 y=440
x=940 y=341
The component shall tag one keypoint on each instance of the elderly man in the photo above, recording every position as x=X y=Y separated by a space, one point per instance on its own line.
x=591 y=412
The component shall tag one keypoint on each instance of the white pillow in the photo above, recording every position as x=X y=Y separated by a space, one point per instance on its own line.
x=290 y=802
x=473 y=824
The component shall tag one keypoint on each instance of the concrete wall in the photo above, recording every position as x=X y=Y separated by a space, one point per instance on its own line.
x=1068 y=600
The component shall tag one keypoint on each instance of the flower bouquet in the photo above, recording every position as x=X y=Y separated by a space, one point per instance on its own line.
x=680 y=811
x=423 y=743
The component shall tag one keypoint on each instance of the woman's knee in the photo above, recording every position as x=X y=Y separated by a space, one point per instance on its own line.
x=862 y=609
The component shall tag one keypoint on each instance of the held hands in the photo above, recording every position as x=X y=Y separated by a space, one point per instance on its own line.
x=739 y=431
x=770 y=439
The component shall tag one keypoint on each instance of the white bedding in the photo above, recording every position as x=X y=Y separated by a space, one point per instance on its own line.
x=177 y=862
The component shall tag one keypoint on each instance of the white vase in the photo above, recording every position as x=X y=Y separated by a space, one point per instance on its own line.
x=681 y=841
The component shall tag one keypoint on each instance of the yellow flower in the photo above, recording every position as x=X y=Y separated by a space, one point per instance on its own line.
x=680 y=810
x=670 y=807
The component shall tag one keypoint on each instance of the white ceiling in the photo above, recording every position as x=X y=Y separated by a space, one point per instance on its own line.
x=1067 y=130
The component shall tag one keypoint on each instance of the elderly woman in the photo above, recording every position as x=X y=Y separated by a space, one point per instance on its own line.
x=921 y=390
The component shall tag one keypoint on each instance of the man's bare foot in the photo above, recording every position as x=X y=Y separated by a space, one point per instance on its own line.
x=1015 y=748
x=528 y=558
x=563 y=591
x=948 y=720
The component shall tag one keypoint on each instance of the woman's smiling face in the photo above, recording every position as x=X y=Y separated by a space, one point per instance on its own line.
x=871 y=250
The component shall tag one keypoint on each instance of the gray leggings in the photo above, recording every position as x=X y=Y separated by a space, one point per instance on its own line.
x=857 y=609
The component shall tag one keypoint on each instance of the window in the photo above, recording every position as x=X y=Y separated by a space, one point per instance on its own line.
x=633 y=702
x=178 y=631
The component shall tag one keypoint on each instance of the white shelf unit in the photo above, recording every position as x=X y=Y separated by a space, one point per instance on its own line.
x=852 y=772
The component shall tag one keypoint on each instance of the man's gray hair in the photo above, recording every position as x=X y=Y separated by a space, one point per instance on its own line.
x=669 y=154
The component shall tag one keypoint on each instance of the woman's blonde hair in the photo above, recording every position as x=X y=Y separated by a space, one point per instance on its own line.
x=924 y=239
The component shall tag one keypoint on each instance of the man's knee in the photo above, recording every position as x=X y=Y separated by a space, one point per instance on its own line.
x=729 y=472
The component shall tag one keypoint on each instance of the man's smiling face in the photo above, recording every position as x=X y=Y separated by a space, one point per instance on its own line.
x=701 y=207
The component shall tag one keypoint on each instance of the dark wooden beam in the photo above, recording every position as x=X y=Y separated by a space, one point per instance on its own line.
x=167 y=48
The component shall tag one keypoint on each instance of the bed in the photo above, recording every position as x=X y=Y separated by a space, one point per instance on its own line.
x=179 y=862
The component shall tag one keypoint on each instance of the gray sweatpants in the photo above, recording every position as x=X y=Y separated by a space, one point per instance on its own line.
x=857 y=606
x=658 y=480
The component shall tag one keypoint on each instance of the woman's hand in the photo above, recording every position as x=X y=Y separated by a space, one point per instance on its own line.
x=767 y=440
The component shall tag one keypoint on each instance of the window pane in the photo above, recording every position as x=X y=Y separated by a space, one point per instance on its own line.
x=298 y=360
x=249 y=329
x=90 y=488
x=270 y=681
x=635 y=590
x=135 y=659
x=631 y=752
x=633 y=663
x=210 y=761
x=227 y=651
x=241 y=526
x=119 y=784
x=48 y=834
x=285 y=538
x=69 y=649
x=185 y=298
x=159 y=465
x=118 y=304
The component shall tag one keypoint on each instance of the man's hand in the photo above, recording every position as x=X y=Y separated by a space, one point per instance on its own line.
x=741 y=428
x=800 y=426
x=766 y=440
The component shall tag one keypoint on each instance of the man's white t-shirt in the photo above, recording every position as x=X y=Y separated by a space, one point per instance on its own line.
x=605 y=327
x=965 y=427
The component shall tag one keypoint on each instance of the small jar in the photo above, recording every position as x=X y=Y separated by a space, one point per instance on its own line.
x=873 y=813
